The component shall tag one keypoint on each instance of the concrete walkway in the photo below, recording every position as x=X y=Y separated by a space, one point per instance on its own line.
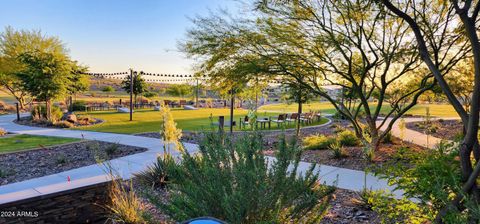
x=412 y=136
x=128 y=165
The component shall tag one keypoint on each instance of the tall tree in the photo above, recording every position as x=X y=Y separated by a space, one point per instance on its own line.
x=46 y=76
x=14 y=43
x=353 y=44
x=461 y=17
x=139 y=86
x=180 y=90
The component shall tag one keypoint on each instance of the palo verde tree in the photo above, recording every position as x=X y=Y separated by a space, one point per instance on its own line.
x=461 y=17
x=14 y=43
x=46 y=76
x=139 y=86
x=353 y=44
x=36 y=65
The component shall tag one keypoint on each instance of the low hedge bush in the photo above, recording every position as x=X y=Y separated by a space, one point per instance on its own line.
x=317 y=142
x=348 y=138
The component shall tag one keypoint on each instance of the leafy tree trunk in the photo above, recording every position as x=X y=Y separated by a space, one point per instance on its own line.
x=374 y=135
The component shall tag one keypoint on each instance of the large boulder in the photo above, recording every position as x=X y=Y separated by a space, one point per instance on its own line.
x=70 y=117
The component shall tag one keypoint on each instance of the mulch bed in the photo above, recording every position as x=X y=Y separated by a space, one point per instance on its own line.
x=28 y=121
x=19 y=166
x=346 y=208
x=354 y=159
x=444 y=129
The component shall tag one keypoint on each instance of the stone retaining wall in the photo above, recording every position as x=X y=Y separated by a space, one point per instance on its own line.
x=80 y=205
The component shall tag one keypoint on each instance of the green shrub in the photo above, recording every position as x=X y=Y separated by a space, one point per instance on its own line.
x=111 y=149
x=433 y=179
x=388 y=139
x=99 y=155
x=5 y=172
x=232 y=182
x=337 y=115
x=156 y=174
x=149 y=94
x=339 y=129
x=406 y=154
x=78 y=106
x=391 y=210
x=338 y=151
x=317 y=142
x=368 y=153
x=61 y=159
x=108 y=89
x=348 y=138
x=458 y=137
x=39 y=112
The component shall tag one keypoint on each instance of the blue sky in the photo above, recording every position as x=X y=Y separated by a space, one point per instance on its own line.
x=114 y=35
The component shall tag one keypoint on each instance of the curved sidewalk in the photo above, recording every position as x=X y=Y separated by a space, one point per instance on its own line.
x=126 y=166
x=412 y=136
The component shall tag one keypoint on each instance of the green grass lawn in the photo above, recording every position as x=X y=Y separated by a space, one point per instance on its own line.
x=440 y=110
x=24 y=142
x=149 y=121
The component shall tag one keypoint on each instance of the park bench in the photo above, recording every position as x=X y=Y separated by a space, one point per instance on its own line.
x=306 y=118
x=280 y=119
x=292 y=118
x=245 y=122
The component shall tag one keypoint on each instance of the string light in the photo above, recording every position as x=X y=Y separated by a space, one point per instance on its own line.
x=152 y=77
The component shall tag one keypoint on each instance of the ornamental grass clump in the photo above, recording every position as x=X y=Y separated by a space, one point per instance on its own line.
x=156 y=174
x=124 y=206
x=235 y=182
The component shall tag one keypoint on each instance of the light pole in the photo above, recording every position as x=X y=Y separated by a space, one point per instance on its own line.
x=232 y=102
x=196 y=97
x=131 y=94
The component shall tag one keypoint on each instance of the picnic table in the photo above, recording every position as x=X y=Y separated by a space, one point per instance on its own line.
x=263 y=122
